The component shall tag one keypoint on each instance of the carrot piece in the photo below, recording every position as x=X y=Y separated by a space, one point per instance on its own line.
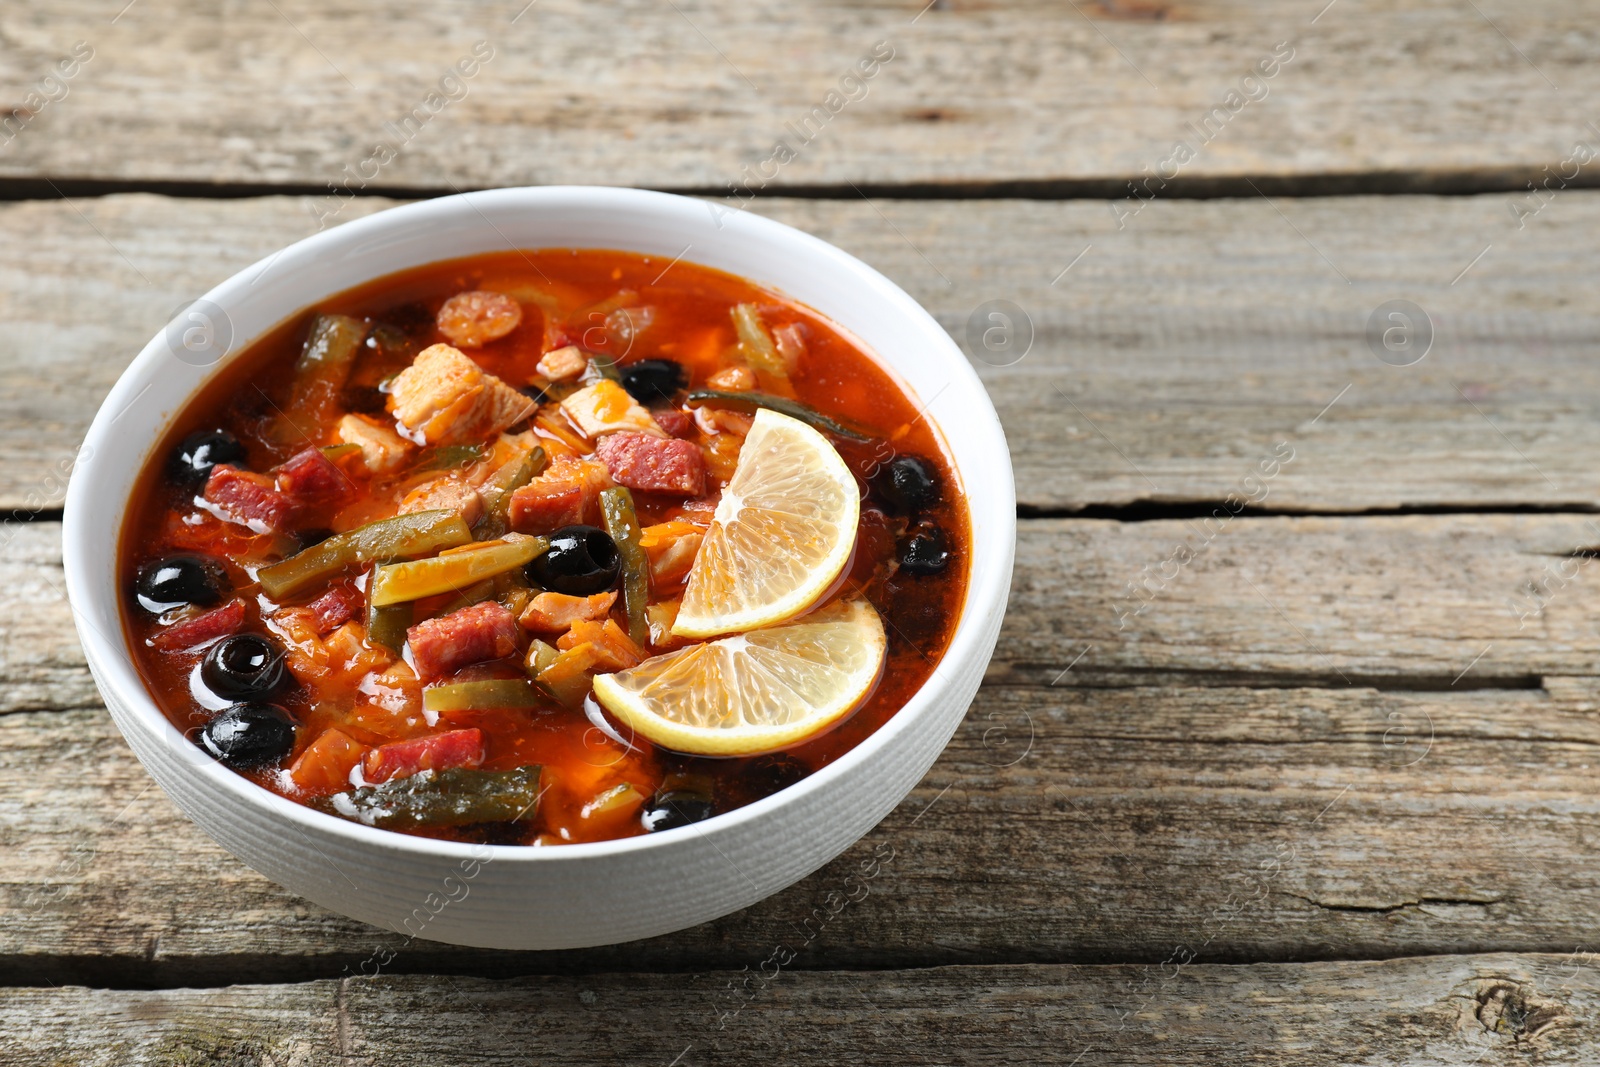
x=324 y=767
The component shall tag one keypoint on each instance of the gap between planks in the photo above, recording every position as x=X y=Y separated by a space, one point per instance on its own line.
x=1418 y=182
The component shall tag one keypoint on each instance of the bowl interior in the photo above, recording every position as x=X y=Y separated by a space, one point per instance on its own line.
x=891 y=325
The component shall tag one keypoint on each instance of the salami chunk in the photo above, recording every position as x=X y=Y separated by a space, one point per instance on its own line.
x=248 y=499
x=654 y=464
x=442 y=646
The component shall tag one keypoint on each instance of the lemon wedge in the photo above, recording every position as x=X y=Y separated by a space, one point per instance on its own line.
x=782 y=532
x=753 y=692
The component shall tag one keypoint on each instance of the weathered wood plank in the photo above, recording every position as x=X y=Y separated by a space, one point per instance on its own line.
x=1167 y=364
x=1484 y=1010
x=1109 y=824
x=1432 y=602
x=692 y=94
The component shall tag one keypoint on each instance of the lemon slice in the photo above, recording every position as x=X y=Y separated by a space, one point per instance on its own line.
x=753 y=692
x=781 y=533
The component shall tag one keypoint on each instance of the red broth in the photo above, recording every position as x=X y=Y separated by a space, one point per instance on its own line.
x=677 y=312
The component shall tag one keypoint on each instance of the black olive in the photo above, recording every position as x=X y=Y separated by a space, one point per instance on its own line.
x=925 y=551
x=164 y=584
x=249 y=735
x=535 y=394
x=313 y=536
x=244 y=667
x=653 y=379
x=906 y=484
x=670 y=810
x=191 y=462
x=581 y=561
x=774 y=771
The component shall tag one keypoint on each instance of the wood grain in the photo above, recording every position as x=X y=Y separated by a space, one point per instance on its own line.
x=1109 y=824
x=1484 y=1010
x=693 y=93
x=1166 y=365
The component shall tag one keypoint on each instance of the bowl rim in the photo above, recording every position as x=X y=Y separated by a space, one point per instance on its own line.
x=988 y=581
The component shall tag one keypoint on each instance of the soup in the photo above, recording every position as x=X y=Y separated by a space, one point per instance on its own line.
x=544 y=547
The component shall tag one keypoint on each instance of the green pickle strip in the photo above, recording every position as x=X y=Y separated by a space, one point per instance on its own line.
x=459 y=796
x=622 y=523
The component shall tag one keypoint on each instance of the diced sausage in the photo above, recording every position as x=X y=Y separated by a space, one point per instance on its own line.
x=481 y=632
x=675 y=421
x=382 y=450
x=310 y=475
x=540 y=506
x=402 y=759
x=654 y=464
x=202 y=629
x=555 y=612
x=248 y=499
x=334 y=608
x=445 y=398
x=477 y=317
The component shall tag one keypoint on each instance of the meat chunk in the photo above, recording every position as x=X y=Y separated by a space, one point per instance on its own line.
x=556 y=612
x=733 y=379
x=671 y=547
x=654 y=464
x=248 y=498
x=382 y=450
x=541 y=507
x=445 y=492
x=445 y=398
x=334 y=608
x=611 y=647
x=444 y=645
x=475 y=318
x=562 y=364
x=202 y=629
x=674 y=421
x=605 y=407
x=402 y=759
x=309 y=475
x=566 y=493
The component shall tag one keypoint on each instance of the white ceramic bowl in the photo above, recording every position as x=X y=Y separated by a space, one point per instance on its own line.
x=573 y=895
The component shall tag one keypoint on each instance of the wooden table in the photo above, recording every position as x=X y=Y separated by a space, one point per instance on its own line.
x=1308 y=781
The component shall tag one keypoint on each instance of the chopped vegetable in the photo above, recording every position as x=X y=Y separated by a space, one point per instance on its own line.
x=565 y=675
x=782 y=405
x=556 y=612
x=325 y=765
x=332 y=345
x=456 y=797
x=387 y=625
x=492 y=693
x=447 y=457
x=760 y=350
x=613 y=649
x=476 y=593
x=453 y=571
x=497 y=492
x=618 y=800
x=622 y=523
x=604 y=366
x=401 y=537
